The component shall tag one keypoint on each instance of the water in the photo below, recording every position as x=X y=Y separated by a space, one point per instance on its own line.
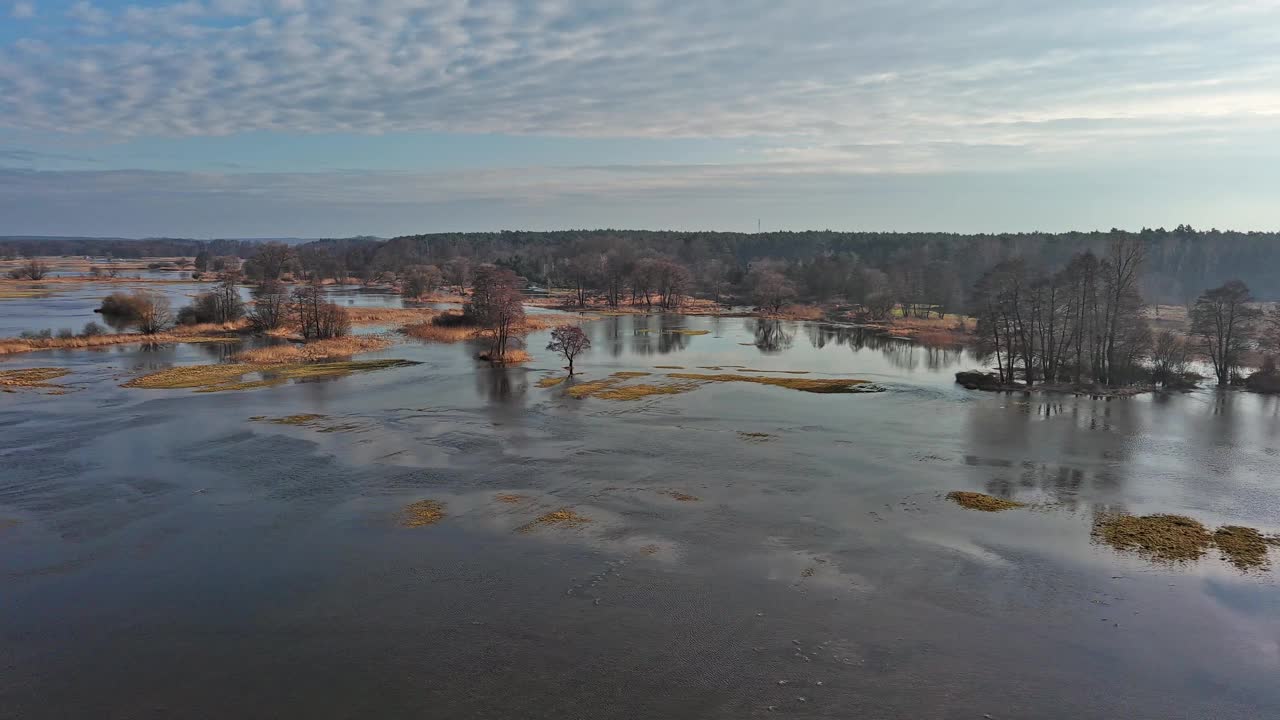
x=164 y=556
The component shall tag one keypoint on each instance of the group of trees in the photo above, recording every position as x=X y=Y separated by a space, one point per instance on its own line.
x=32 y=269
x=1081 y=322
x=497 y=306
x=1087 y=322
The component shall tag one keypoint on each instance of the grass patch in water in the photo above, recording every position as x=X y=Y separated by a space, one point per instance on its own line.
x=302 y=419
x=564 y=517
x=682 y=497
x=1167 y=538
x=422 y=513
x=509 y=498
x=1243 y=547
x=981 y=501
x=686 y=331
x=630 y=374
x=754 y=436
x=32 y=377
x=637 y=392
x=547 y=382
x=810 y=385
x=669 y=367
x=218 y=378
x=788 y=372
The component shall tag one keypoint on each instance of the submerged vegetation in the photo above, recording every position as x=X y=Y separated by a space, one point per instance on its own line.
x=982 y=501
x=614 y=387
x=1167 y=538
x=340 y=347
x=422 y=513
x=564 y=517
x=31 y=378
x=1243 y=547
x=217 y=378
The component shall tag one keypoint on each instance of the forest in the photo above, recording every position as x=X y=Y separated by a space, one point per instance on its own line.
x=935 y=269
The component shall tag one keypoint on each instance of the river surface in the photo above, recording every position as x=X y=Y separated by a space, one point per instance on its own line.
x=162 y=555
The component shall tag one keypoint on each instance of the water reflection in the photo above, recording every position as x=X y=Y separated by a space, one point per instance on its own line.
x=771 y=336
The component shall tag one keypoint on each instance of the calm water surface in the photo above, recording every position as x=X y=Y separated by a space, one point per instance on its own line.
x=161 y=555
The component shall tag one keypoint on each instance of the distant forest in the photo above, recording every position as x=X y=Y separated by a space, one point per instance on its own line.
x=939 y=268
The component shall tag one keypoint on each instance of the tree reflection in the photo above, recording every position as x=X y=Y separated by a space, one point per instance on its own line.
x=772 y=337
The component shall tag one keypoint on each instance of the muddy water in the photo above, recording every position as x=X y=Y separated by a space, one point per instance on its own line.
x=162 y=555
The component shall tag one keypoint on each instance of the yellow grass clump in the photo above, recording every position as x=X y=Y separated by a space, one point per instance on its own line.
x=208 y=332
x=31 y=377
x=510 y=357
x=687 y=331
x=548 y=382
x=422 y=513
x=218 y=378
x=314 y=350
x=811 y=385
x=564 y=517
x=1166 y=538
x=630 y=374
x=981 y=501
x=681 y=496
x=509 y=498
x=638 y=392
x=1243 y=547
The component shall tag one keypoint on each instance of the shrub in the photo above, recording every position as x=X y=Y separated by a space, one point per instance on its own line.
x=93 y=329
x=44 y=334
x=66 y=334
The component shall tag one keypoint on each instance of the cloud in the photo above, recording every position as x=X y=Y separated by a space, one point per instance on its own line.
x=1018 y=79
x=23 y=10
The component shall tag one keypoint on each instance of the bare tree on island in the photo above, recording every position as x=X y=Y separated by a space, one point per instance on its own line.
x=1223 y=321
x=496 y=305
x=569 y=341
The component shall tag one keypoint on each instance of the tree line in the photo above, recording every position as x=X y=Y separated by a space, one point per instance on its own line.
x=1086 y=322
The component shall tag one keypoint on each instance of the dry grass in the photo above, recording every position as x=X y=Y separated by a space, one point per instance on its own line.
x=639 y=392
x=341 y=347
x=788 y=372
x=982 y=501
x=440 y=333
x=1165 y=538
x=11 y=292
x=1243 y=547
x=613 y=389
x=810 y=385
x=509 y=498
x=680 y=496
x=389 y=316
x=208 y=332
x=687 y=331
x=669 y=367
x=31 y=377
x=754 y=436
x=511 y=357
x=797 y=312
x=548 y=382
x=422 y=513
x=564 y=517
x=630 y=374
x=218 y=378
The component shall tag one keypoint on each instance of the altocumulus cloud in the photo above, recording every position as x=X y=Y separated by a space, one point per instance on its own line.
x=812 y=91
x=824 y=72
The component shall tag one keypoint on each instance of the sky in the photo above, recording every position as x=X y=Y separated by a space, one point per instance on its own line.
x=330 y=118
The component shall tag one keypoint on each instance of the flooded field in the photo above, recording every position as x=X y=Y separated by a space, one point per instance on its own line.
x=440 y=538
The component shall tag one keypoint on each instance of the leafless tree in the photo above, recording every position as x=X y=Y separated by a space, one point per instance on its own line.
x=496 y=305
x=570 y=341
x=270 y=307
x=1224 y=322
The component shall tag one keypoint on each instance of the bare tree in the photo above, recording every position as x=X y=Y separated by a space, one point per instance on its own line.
x=318 y=319
x=570 y=341
x=1223 y=321
x=457 y=272
x=496 y=305
x=270 y=307
x=1169 y=358
x=154 y=314
x=770 y=289
x=33 y=269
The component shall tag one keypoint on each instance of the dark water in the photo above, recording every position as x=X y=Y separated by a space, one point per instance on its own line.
x=163 y=556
